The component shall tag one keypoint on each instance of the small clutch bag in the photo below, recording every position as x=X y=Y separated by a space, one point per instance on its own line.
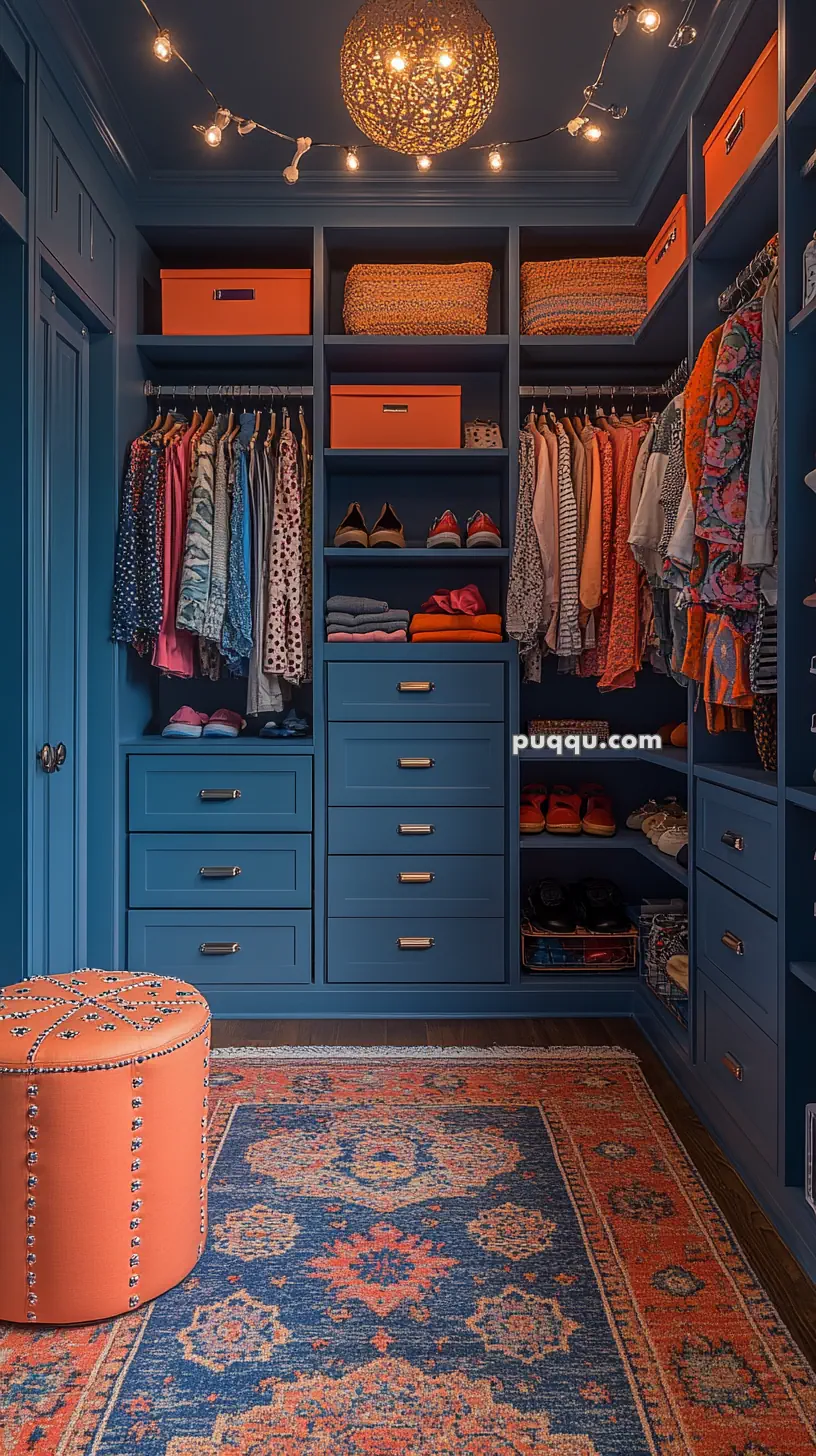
x=482 y=435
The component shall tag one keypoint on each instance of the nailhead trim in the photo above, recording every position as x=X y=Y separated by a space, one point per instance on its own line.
x=32 y=1092
x=113 y=1066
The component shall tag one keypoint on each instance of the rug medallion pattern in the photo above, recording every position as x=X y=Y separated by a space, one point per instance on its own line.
x=432 y=1257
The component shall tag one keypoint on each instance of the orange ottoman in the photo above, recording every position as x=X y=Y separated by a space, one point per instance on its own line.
x=103 y=1110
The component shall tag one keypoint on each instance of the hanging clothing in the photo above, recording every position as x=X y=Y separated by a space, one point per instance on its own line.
x=264 y=693
x=759 y=541
x=569 y=642
x=623 y=652
x=174 y=652
x=213 y=626
x=544 y=523
x=236 y=641
x=137 y=585
x=525 y=591
x=194 y=591
x=306 y=544
x=284 y=652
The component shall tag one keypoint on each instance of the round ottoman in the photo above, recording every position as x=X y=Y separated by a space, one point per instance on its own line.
x=103 y=1111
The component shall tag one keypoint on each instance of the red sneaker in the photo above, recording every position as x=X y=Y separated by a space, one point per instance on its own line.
x=481 y=531
x=445 y=531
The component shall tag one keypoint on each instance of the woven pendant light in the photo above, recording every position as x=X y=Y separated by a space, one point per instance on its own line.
x=419 y=76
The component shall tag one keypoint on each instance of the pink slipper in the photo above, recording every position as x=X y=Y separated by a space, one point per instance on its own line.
x=186 y=723
x=224 y=724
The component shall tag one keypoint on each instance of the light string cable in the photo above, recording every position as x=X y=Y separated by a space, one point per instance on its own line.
x=581 y=125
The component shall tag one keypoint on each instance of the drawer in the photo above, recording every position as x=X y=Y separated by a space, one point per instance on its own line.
x=458 y=764
x=244 y=948
x=422 y=831
x=219 y=791
x=737 y=946
x=416 y=692
x=738 y=1063
x=433 y=950
x=259 y=871
x=736 y=842
x=437 y=884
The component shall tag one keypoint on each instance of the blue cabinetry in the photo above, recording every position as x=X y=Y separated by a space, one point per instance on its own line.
x=72 y=225
x=209 y=791
x=447 y=764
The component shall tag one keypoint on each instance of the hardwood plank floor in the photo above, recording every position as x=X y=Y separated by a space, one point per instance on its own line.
x=786 y=1282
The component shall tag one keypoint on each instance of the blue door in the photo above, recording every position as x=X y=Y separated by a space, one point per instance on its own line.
x=58 y=574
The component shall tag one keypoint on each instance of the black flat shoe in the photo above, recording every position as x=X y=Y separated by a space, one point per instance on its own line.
x=550 y=909
x=599 y=907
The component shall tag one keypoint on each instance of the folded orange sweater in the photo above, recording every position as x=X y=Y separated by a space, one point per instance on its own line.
x=457 y=621
x=456 y=636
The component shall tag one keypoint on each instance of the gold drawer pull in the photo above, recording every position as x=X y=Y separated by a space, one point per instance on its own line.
x=415 y=829
x=415 y=877
x=415 y=763
x=219 y=872
x=732 y=942
x=219 y=947
x=218 y=795
x=415 y=942
x=733 y=1066
x=733 y=841
x=395 y=409
x=415 y=687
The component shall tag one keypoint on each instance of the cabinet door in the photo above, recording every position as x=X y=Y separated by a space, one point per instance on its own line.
x=63 y=223
x=453 y=764
x=101 y=262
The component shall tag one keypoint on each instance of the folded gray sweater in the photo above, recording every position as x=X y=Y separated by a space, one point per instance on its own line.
x=356 y=605
x=368 y=619
x=383 y=624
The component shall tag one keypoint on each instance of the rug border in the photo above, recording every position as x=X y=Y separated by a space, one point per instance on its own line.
x=425 y=1053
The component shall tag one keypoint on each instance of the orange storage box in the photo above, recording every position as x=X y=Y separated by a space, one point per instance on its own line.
x=236 y=301
x=742 y=130
x=396 y=417
x=668 y=252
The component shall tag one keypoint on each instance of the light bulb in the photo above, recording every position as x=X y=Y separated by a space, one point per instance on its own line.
x=212 y=135
x=352 y=160
x=592 y=132
x=495 y=160
x=397 y=62
x=424 y=164
x=163 y=46
x=685 y=35
x=246 y=126
x=649 y=19
x=576 y=126
x=445 y=60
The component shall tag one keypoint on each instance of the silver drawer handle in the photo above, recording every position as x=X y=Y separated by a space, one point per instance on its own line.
x=415 y=877
x=415 y=687
x=415 y=942
x=218 y=795
x=732 y=942
x=415 y=763
x=219 y=947
x=219 y=872
x=415 y=829
x=733 y=1066
x=733 y=841
x=735 y=133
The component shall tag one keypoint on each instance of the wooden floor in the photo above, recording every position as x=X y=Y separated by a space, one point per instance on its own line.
x=787 y=1284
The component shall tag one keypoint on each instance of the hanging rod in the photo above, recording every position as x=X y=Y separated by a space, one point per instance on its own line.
x=744 y=286
x=228 y=391
x=585 y=391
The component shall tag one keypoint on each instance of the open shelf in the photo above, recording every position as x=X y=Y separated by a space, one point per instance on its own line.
x=744 y=777
x=804 y=971
x=408 y=555
x=358 y=353
x=672 y=758
x=748 y=217
x=632 y=840
x=155 y=743
x=661 y=338
x=422 y=462
x=272 y=351
x=805 y=798
x=802 y=110
x=427 y=651
x=804 y=316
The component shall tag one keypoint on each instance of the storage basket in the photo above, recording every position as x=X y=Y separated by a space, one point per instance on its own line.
x=583 y=296
x=541 y=951
x=663 y=934
x=482 y=435
x=417 y=298
x=599 y=727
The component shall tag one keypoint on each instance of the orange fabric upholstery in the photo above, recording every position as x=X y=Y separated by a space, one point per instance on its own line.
x=103 y=1111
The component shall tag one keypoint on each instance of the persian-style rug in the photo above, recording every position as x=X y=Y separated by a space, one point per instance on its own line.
x=432 y=1253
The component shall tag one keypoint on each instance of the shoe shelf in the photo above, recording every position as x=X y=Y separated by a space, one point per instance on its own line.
x=407 y=555
x=671 y=758
x=631 y=840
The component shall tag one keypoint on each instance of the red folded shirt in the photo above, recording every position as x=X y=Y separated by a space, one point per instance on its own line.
x=465 y=599
x=460 y=622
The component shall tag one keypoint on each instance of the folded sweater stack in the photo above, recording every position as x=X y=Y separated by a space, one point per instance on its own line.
x=362 y=619
x=459 y=615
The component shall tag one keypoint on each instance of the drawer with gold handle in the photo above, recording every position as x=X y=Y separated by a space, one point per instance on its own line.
x=211 y=871
x=219 y=872
x=430 y=692
x=415 y=829
x=218 y=796
x=451 y=886
x=732 y=942
x=737 y=946
x=188 y=791
x=739 y=1065
x=415 y=942
x=444 y=765
x=223 y=949
x=411 y=948
x=732 y=840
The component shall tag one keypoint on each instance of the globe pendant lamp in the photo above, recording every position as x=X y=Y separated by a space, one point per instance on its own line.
x=419 y=76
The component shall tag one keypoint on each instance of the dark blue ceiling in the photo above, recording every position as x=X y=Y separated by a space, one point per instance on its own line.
x=280 y=64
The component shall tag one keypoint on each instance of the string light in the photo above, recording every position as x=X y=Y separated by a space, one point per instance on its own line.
x=163 y=46
x=648 y=18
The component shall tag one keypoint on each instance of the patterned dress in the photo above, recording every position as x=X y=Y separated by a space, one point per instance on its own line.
x=284 y=620
x=195 y=574
x=137 y=591
x=525 y=591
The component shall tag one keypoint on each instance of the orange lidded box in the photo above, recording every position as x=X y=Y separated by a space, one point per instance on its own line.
x=396 y=417
x=668 y=252
x=742 y=130
x=236 y=300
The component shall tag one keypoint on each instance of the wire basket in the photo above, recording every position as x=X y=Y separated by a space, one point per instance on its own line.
x=541 y=951
x=664 y=934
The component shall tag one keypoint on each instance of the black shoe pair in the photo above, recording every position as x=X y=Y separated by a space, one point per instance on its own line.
x=596 y=906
